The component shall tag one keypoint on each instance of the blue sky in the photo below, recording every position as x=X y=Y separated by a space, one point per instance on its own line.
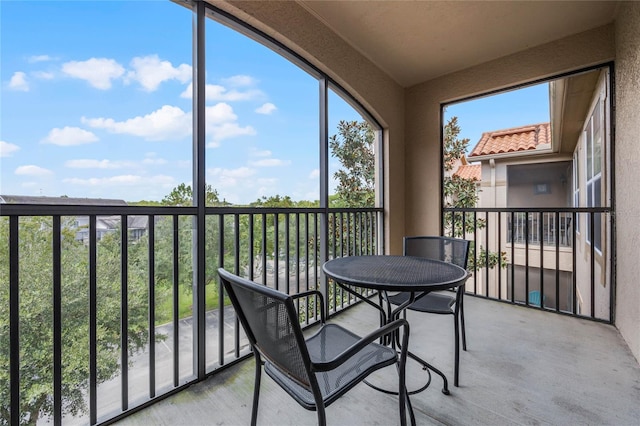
x=96 y=102
x=515 y=108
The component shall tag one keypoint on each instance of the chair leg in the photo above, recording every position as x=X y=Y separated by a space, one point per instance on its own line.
x=464 y=334
x=412 y=416
x=457 y=350
x=256 y=391
x=403 y=393
x=322 y=418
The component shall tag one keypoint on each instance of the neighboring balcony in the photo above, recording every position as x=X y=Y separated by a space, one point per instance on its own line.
x=545 y=228
x=541 y=257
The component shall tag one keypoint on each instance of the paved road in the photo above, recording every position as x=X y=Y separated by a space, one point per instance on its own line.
x=109 y=393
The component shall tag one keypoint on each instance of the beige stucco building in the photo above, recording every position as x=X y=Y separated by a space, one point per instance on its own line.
x=525 y=167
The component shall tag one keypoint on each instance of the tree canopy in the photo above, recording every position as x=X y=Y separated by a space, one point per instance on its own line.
x=463 y=192
x=36 y=325
x=353 y=145
x=457 y=191
x=182 y=195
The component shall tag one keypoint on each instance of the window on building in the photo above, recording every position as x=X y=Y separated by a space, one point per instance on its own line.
x=576 y=187
x=593 y=152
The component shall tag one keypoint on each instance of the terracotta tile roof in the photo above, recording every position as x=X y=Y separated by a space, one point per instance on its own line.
x=469 y=171
x=516 y=139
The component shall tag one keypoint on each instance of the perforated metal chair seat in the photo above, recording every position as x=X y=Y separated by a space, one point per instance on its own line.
x=434 y=303
x=324 y=346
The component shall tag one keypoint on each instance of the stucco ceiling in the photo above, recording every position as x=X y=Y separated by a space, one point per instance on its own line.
x=415 y=41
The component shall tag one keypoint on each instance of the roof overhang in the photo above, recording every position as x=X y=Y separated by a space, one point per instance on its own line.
x=570 y=99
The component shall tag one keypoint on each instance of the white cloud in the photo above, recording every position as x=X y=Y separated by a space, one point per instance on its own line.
x=43 y=75
x=167 y=123
x=32 y=170
x=315 y=173
x=221 y=124
x=230 y=177
x=240 y=80
x=220 y=113
x=267 y=181
x=266 y=186
x=227 y=131
x=99 y=72
x=259 y=153
x=95 y=164
x=130 y=187
x=7 y=149
x=19 y=82
x=242 y=184
x=266 y=109
x=217 y=93
x=171 y=123
x=85 y=163
x=69 y=136
x=264 y=159
x=269 y=162
x=122 y=181
x=39 y=58
x=154 y=161
x=188 y=92
x=150 y=72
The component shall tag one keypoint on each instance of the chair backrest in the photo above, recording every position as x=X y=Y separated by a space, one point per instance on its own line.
x=448 y=249
x=271 y=323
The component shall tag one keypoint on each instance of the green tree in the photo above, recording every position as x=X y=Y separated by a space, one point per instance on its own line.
x=36 y=324
x=270 y=221
x=353 y=146
x=457 y=191
x=274 y=201
x=182 y=196
x=462 y=192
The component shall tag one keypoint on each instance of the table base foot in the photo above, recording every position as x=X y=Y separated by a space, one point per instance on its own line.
x=425 y=367
x=428 y=367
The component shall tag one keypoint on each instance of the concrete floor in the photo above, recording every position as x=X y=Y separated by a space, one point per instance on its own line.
x=522 y=367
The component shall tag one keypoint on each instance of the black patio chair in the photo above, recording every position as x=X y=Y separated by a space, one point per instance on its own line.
x=456 y=251
x=317 y=370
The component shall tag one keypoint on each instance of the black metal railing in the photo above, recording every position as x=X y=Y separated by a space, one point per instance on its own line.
x=124 y=316
x=544 y=258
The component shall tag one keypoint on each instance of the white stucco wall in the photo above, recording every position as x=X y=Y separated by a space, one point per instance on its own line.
x=627 y=173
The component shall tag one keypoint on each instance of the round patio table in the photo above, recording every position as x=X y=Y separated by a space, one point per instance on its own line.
x=384 y=273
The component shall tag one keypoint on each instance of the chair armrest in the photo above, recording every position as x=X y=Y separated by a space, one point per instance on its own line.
x=313 y=293
x=363 y=342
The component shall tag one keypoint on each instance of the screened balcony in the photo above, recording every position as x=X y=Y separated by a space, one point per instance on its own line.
x=561 y=362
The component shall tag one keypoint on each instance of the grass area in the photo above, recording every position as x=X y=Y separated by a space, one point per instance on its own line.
x=164 y=303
